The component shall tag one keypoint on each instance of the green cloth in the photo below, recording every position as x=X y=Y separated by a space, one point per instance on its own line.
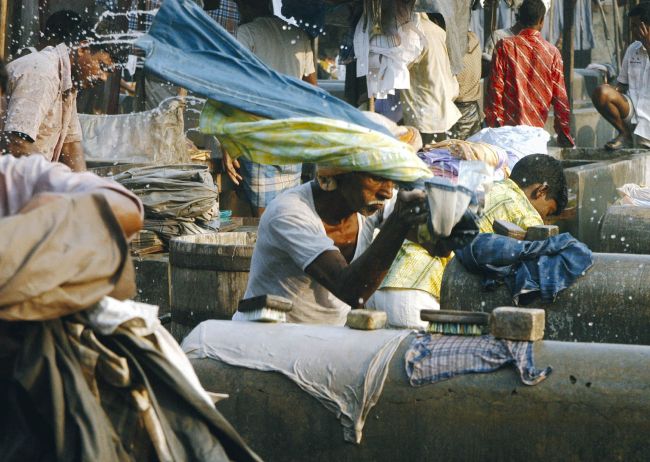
x=326 y=142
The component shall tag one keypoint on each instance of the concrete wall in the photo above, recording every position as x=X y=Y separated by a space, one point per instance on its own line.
x=594 y=186
x=594 y=406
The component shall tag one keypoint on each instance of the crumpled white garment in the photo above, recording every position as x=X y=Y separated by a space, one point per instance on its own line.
x=518 y=141
x=633 y=194
x=156 y=136
x=344 y=369
x=109 y=314
x=385 y=66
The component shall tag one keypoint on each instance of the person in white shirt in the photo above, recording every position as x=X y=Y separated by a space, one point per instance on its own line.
x=627 y=104
x=429 y=104
x=312 y=245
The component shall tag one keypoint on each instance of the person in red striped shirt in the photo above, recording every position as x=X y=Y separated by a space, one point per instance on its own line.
x=527 y=77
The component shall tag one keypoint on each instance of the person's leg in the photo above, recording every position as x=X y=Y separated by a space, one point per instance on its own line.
x=616 y=109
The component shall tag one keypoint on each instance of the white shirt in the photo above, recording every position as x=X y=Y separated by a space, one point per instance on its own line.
x=291 y=236
x=42 y=102
x=429 y=103
x=635 y=72
x=280 y=46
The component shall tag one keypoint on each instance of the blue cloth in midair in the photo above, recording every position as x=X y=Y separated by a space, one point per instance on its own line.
x=528 y=268
x=188 y=48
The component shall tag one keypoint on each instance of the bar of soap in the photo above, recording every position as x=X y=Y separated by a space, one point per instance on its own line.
x=541 y=232
x=517 y=323
x=505 y=228
x=270 y=302
x=366 y=319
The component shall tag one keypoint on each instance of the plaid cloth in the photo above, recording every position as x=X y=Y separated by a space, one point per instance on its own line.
x=506 y=201
x=227 y=15
x=433 y=357
x=140 y=19
x=262 y=183
x=141 y=14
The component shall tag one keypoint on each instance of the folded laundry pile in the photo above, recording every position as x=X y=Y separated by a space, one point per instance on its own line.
x=178 y=199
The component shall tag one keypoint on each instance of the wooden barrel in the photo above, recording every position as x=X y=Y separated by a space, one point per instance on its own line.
x=625 y=229
x=208 y=277
x=609 y=304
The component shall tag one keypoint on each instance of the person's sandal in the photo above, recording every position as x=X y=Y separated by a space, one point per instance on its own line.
x=620 y=142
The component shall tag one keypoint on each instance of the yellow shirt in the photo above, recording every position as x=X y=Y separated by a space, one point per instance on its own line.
x=506 y=201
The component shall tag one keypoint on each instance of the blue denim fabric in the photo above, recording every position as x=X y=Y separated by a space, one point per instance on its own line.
x=528 y=268
x=187 y=48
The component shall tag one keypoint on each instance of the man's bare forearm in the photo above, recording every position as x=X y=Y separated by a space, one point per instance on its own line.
x=363 y=276
x=72 y=155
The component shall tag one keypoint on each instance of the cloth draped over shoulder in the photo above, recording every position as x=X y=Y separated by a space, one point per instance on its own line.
x=326 y=142
x=83 y=380
x=267 y=117
x=528 y=268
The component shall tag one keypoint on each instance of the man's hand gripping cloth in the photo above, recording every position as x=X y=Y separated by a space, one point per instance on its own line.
x=432 y=358
x=528 y=268
x=326 y=142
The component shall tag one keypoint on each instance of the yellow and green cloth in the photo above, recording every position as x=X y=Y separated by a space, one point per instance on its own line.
x=325 y=142
x=506 y=201
x=415 y=268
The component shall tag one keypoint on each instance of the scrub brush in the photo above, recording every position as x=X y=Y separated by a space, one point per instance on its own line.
x=265 y=308
x=455 y=322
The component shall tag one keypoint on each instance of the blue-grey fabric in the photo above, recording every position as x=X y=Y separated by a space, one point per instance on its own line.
x=433 y=357
x=457 y=16
x=528 y=268
x=186 y=47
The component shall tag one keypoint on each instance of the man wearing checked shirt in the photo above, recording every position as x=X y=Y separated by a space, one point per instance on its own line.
x=526 y=77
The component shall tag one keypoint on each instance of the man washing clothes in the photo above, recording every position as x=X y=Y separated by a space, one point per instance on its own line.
x=535 y=191
x=41 y=116
x=626 y=105
x=310 y=241
x=527 y=77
